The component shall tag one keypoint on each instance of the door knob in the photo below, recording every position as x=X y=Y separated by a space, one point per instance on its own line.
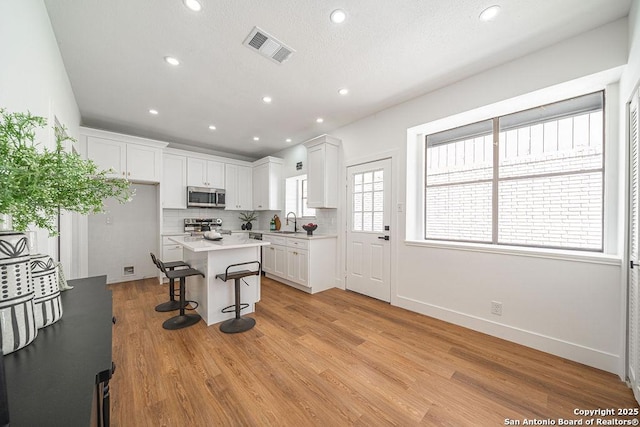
x=633 y=264
x=383 y=237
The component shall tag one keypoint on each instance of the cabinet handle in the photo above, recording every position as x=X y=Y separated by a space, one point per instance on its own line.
x=129 y=173
x=123 y=174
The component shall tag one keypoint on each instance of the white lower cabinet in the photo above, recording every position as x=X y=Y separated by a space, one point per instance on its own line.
x=171 y=253
x=274 y=256
x=298 y=266
x=309 y=265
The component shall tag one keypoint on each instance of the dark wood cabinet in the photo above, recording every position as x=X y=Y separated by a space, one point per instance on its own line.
x=62 y=378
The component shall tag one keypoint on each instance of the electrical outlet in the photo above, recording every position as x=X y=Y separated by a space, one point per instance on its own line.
x=128 y=270
x=496 y=308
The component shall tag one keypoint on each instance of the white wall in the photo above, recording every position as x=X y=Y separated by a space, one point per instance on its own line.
x=567 y=306
x=631 y=76
x=124 y=235
x=33 y=78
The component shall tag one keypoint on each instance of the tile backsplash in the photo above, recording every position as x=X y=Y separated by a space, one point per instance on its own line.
x=173 y=219
x=325 y=218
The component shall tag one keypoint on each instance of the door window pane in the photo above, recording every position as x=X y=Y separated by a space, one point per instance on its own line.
x=368 y=201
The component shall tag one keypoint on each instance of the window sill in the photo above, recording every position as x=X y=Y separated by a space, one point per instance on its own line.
x=555 y=254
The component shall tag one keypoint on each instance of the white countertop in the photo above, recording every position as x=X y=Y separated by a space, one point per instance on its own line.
x=198 y=244
x=300 y=235
x=174 y=233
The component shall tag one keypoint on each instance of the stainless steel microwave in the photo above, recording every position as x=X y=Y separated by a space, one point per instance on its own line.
x=203 y=197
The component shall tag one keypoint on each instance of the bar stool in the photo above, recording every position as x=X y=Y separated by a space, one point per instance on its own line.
x=238 y=324
x=182 y=320
x=172 y=304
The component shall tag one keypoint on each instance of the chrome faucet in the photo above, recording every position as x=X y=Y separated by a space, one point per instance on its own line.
x=295 y=221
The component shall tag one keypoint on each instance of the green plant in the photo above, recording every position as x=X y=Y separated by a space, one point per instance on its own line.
x=36 y=182
x=248 y=216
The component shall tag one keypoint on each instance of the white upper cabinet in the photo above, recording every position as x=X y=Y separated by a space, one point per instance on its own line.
x=135 y=162
x=267 y=184
x=322 y=177
x=205 y=173
x=238 y=189
x=174 y=181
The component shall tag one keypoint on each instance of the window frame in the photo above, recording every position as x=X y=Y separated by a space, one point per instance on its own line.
x=300 y=210
x=496 y=179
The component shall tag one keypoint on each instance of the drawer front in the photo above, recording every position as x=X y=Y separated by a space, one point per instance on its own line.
x=275 y=240
x=171 y=253
x=166 y=241
x=298 y=243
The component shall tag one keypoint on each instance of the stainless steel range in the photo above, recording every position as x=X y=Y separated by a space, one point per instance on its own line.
x=197 y=226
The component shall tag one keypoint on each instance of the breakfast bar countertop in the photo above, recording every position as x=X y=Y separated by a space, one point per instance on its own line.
x=299 y=235
x=200 y=244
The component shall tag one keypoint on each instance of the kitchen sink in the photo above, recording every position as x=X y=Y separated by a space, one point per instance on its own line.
x=283 y=232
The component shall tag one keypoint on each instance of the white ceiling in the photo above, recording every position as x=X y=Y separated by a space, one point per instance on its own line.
x=386 y=52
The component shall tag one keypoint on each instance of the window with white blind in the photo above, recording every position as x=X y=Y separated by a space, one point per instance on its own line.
x=296 y=196
x=532 y=178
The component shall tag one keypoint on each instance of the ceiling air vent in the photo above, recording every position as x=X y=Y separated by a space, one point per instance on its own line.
x=268 y=46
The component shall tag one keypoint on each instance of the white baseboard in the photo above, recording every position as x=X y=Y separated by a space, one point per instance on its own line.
x=589 y=356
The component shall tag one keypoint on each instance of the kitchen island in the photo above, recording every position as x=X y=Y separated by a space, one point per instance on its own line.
x=211 y=258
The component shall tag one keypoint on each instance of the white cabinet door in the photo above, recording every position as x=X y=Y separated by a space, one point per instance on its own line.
x=196 y=172
x=238 y=187
x=298 y=266
x=215 y=174
x=268 y=259
x=130 y=161
x=267 y=181
x=261 y=187
x=174 y=182
x=302 y=267
x=322 y=178
x=143 y=163
x=280 y=260
x=315 y=176
x=108 y=154
x=245 y=185
x=205 y=173
x=231 y=179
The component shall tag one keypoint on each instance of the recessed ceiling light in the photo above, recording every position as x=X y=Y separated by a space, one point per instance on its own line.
x=266 y=99
x=489 y=13
x=193 y=5
x=338 y=16
x=171 y=60
x=343 y=91
x=154 y=112
x=288 y=140
x=255 y=138
x=212 y=127
x=319 y=120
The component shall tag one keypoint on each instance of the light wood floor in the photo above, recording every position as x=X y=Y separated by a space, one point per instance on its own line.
x=332 y=359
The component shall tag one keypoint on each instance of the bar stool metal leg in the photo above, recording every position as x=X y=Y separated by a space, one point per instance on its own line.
x=237 y=324
x=172 y=304
x=182 y=320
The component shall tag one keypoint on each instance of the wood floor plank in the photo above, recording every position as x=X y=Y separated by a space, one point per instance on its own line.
x=332 y=359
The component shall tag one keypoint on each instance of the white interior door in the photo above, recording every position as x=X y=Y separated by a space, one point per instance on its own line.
x=368 y=229
x=633 y=328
